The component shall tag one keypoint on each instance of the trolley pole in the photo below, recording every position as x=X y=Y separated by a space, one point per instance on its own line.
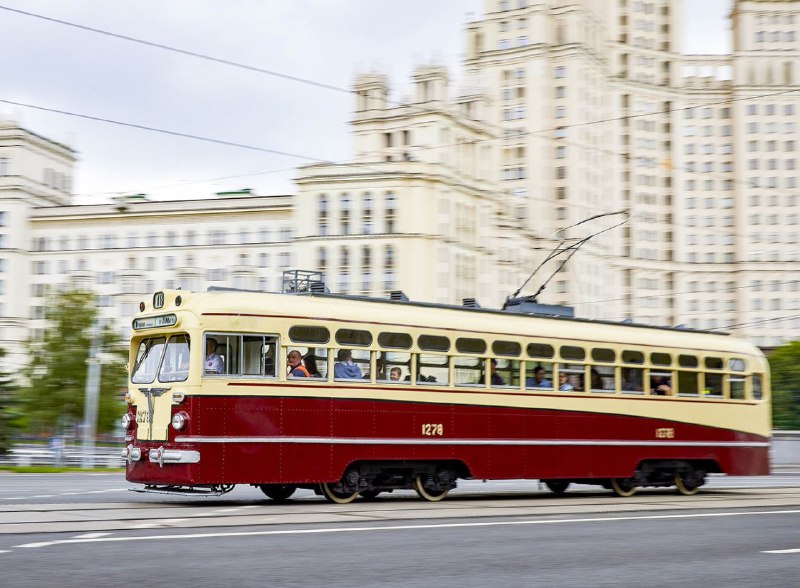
x=91 y=398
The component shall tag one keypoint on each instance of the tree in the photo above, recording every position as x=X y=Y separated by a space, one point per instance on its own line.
x=785 y=366
x=7 y=409
x=54 y=396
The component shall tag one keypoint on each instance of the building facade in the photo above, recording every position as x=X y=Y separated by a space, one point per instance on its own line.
x=568 y=111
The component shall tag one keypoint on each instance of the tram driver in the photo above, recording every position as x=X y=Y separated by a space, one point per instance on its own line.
x=214 y=363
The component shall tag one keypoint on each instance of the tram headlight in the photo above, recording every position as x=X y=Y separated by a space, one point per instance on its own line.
x=126 y=421
x=179 y=420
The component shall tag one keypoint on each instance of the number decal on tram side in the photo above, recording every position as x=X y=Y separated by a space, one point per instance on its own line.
x=433 y=429
x=142 y=418
x=665 y=433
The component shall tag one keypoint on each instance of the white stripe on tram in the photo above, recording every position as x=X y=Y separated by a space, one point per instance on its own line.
x=444 y=441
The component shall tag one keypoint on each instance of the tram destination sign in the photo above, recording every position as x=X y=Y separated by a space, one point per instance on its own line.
x=154 y=322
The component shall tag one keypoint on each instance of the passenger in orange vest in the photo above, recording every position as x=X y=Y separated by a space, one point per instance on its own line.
x=296 y=367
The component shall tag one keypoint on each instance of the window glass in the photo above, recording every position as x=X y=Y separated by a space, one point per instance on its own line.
x=660 y=359
x=757 y=391
x=466 y=345
x=737 y=365
x=509 y=348
x=309 y=334
x=737 y=387
x=503 y=372
x=259 y=355
x=714 y=363
x=602 y=354
x=432 y=368
x=660 y=383
x=603 y=378
x=687 y=361
x=539 y=375
x=351 y=364
x=712 y=385
x=632 y=356
x=687 y=383
x=632 y=380
x=433 y=343
x=571 y=377
x=312 y=361
x=148 y=358
x=222 y=354
x=394 y=340
x=467 y=370
x=393 y=366
x=353 y=337
x=540 y=350
x=570 y=352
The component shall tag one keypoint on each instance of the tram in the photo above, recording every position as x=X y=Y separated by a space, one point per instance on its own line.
x=405 y=395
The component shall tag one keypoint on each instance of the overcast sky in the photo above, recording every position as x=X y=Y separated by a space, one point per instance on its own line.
x=59 y=67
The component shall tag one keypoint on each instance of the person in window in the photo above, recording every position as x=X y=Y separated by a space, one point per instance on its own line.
x=395 y=374
x=661 y=386
x=310 y=364
x=538 y=380
x=296 y=368
x=563 y=383
x=345 y=367
x=214 y=363
x=496 y=379
x=597 y=380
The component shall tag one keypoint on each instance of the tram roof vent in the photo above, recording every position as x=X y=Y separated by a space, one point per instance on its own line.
x=302 y=282
x=527 y=305
x=471 y=303
x=398 y=295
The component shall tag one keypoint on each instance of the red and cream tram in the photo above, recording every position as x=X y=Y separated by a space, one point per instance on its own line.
x=413 y=395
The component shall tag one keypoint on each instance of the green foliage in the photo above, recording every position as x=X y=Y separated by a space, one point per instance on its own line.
x=785 y=366
x=8 y=411
x=53 y=398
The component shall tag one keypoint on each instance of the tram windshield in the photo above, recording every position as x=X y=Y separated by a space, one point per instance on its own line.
x=170 y=360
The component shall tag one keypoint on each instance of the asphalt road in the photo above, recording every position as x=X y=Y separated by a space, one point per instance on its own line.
x=88 y=530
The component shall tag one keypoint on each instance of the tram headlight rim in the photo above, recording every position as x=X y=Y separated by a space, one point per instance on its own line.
x=126 y=420
x=180 y=420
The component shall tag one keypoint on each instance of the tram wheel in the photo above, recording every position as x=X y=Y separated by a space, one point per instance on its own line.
x=278 y=492
x=428 y=494
x=687 y=487
x=557 y=486
x=623 y=487
x=370 y=494
x=335 y=496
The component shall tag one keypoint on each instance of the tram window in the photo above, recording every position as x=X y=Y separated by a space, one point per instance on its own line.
x=314 y=360
x=433 y=343
x=712 y=385
x=175 y=365
x=542 y=350
x=258 y=355
x=570 y=352
x=689 y=361
x=433 y=368
x=394 y=340
x=575 y=377
x=604 y=355
x=736 y=364
x=309 y=334
x=507 y=348
x=228 y=348
x=351 y=364
x=467 y=371
x=714 y=363
x=737 y=387
x=148 y=358
x=660 y=358
x=353 y=337
x=603 y=379
x=629 y=356
x=393 y=366
x=660 y=383
x=687 y=383
x=757 y=391
x=539 y=375
x=632 y=380
x=468 y=345
x=508 y=370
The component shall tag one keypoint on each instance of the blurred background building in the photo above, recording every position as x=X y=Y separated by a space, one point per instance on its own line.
x=568 y=110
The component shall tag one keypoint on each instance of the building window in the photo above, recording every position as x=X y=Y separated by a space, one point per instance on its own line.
x=3 y=166
x=390 y=212
x=560 y=72
x=366 y=269
x=388 y=263
x=322 y=215
x=345 y=218
x=366 y=214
